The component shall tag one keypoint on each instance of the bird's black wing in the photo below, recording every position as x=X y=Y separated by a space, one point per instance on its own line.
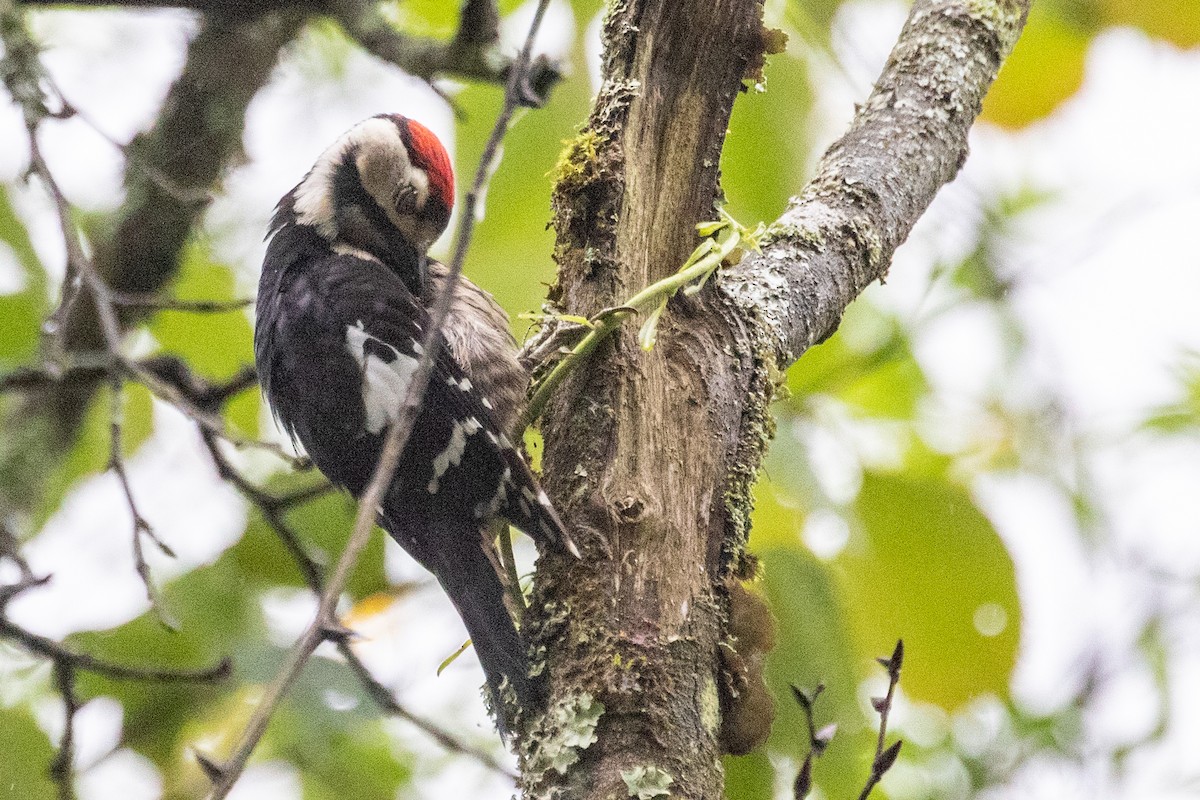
x=337 y=343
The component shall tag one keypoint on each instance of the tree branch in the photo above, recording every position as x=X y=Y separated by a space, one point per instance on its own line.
x=48 y=648
x=873 y=184
x=472 y=53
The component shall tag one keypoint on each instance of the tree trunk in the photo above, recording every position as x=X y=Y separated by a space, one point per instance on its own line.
x=638 y=445
x=651 y=456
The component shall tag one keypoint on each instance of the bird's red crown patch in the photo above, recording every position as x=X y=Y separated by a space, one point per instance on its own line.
x=426 y=152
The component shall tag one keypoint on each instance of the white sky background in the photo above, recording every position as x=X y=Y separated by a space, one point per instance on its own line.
x=1107 y=287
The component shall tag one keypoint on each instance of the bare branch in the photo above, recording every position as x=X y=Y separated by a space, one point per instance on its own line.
x=69 y=110
x=908 y=139
x=10 y=548
x=10 y=590
x=472 y=53
x=885 y=757
x=28 y=378
x=271 y=509
x=180 y=399
x=62 y=768
x=388 y=703
x=79 y=268
x=152 y=303
x=48 y=648
x=116 y=462
x=817 y=740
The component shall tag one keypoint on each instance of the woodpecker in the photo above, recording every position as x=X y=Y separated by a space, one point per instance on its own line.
x=343 y=305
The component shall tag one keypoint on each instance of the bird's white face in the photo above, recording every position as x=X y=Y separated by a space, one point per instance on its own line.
x=394 y=173
x=400 y=187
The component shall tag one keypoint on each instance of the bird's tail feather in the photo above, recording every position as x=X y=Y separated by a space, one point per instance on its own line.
x=463 y=569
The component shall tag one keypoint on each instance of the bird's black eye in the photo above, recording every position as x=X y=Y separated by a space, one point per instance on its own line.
x=405 y=199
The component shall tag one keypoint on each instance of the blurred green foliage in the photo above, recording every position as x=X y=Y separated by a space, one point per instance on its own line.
x=920 y=560
x=24 y=771
x=23 y=310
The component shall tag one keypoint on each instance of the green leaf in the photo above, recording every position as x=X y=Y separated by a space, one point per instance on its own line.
x=648 y=333
x=1182 y=416
x=1176 y=21
x=927 y=566
x=27 y=754
x=323 y=525
x=450 y=659
x=750 y=777
x=216 y=346
x=879 y=377
x=424 y=17
x=24 y=310
x=1044 y=69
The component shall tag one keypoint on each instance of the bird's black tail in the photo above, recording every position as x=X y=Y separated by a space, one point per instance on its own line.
x=457 y=560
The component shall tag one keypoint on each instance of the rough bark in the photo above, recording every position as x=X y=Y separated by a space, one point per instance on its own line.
x=636 y=452
x=906 y=142
x=651 y=456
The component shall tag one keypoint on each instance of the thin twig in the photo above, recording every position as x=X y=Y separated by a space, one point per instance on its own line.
x=10 y=590
x=885 y=758
x=202 y=417
x=153 y=303
x=10 y=548
x=24 y=76
x=325 y=626
x=301 y=496
x=818 y=740
x=24 y=378
x=62 y=768
x=53 y=370
x=272 y=509
x=387 y=701
x=116 y=462
x=269 y=506
x=471 y=53
x=70 y=110
x=55 y=651
x=80 y=266
x=609 y=320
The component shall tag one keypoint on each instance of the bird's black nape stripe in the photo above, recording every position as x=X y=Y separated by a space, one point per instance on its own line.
x=363 y=224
